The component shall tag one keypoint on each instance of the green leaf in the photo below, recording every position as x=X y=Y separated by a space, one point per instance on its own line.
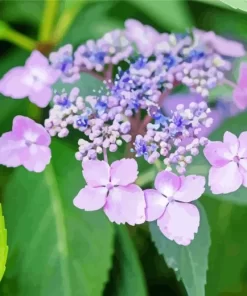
x=227 y=258
x=130 y=277
x=23 y=11
x=103 y=23
x=87 y=85
x=3 y=245
x=189 y=263
x=68 y=4
x=54 y=247
x=173 y=15
x=200 y=165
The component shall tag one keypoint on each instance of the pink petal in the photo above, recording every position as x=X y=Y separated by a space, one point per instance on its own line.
x=91 y=199
x=180 y=222
x=26 y=128
x=217 y=153
x=144 y=36
x=37 y=59
x=240 y=97
x=229 y=48
x=192 y=187
x=242 y=80
x=126 y=204
x=167 y=183
x=35 y=158
x=96 y=172
x=243 y=170
x=232 y=142
x=221 y=45
x=10 y=150
x=225 y=179
x=53 y=75
x=13 y=85
x=155 y=204
x=42 y=97
x=242 y=152
x=124 y=172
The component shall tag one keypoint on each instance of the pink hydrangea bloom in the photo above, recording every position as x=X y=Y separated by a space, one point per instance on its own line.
x=34 y=80
x=170 y=205
x=27 y=144
x=240 y=92
x=223 y=46
x=112 y=188
x=229 y=163
x=145 y=37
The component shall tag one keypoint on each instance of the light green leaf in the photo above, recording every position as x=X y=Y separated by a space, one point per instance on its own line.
x=200 y=165
x=172 y=15
x=3 y=245
x=236 y=4
x=130 y=277
x=189 y=263
x=229 y=4
x=55 y=248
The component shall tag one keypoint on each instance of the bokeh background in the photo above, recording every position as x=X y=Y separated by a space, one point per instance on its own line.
x=227 y=268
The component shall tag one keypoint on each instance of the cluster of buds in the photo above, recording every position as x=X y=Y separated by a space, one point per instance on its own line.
x=176 y=138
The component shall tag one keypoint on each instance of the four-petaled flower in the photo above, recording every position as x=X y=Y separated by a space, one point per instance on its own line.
x=112 y=188
x=34 y=80
x=27 y=144
x=170 y=205
x=229 y=163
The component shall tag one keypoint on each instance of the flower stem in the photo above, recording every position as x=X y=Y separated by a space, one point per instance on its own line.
x=66 y=19
x=230 y=83
x=47 y=23
x=105 y=155
x=19 y=39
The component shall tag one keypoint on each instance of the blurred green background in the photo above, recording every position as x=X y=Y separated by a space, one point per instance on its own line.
x=36 y=254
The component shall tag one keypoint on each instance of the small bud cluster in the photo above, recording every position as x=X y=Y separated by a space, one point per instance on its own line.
x=176 y=138
x=112 y=48
x=102 y=136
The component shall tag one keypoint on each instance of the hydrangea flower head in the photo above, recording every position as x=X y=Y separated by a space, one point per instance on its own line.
x=33 y=80
x=240 y=92
x=229 y=163
x=27 y=144
x=112 y=188
x=170 y=205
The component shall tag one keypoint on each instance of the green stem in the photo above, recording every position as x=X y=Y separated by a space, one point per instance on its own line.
x=66 y=19
x=47 y=22
x=19 y=39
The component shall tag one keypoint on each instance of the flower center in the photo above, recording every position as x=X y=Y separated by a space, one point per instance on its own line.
x=109 y=186
x=170 y=199
x=236 y=159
